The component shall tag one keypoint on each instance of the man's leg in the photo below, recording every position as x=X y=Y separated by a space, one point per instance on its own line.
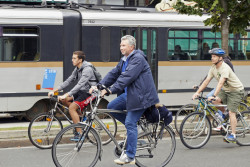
x=73 y=107
x=234 y=99
x=119 y=103
x=131 y=126
x=233 y=121
x=67 y=101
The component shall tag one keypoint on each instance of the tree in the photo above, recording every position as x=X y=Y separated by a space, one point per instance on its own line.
x=227 y=16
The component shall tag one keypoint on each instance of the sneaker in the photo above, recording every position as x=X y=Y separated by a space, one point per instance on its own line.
x=230 y=138
x=124 y=159
x=218 y=128
x=76 y=137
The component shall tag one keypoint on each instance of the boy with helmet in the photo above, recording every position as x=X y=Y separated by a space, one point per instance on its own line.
x=229 y=90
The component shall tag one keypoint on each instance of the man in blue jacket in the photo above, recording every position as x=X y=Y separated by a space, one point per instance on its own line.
x=132 y=80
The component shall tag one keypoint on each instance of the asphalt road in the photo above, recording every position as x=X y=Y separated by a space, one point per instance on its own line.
x=215 y=154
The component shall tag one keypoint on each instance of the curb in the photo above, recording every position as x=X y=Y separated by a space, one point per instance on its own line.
x=19 y=138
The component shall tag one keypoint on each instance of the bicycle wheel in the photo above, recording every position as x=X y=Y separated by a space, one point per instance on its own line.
x=243 y=129
x=158 y=153
x=66 y=152
x=182 y=113
x=43 y=130
x=195 y=130
x=110 y=124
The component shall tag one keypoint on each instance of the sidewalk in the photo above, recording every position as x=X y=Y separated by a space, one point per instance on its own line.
x=16 y=134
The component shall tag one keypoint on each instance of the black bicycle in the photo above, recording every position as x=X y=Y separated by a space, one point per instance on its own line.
x=45 y=126
x=155 y=147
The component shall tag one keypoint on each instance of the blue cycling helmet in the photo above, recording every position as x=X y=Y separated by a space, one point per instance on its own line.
x=217 y=51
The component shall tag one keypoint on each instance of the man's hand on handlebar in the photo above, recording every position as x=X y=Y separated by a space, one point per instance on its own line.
x=52 y=93
x=63 y=96
x=195 y=96
x=102 y=88
x=92 y=89
x=105 y=91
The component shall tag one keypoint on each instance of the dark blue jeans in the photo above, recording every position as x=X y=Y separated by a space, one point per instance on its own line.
x=129 y=119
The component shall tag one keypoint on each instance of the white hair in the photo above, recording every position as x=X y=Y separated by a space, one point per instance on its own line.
x=131 y=40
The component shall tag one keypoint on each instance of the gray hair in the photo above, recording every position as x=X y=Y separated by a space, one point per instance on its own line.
x=131 y=40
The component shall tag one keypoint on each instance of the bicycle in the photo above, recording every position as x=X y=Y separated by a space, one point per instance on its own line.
x=190 y=108
x=196 y=130
x=44 y=127
x=155 y=147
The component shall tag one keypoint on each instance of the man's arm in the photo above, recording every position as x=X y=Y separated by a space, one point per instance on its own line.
x=112 y=76
x=202 y=87
x=219 y=85
x=68 y=81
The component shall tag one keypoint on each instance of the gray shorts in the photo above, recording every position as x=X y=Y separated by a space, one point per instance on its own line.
x=231 y=99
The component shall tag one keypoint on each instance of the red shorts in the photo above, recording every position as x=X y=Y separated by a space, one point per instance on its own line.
x=82 y=99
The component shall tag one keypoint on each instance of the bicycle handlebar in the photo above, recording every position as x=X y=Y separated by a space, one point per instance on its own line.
x=101 y=87
x=54 y=98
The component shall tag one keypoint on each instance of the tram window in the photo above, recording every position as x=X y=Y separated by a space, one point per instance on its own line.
x=144 y=41
x=236 y=47
x=133 y=33
x=209 y=34
x=104 y=2
x=182 y=44
x=19 y=44
x=124 y=32
x=105 y=44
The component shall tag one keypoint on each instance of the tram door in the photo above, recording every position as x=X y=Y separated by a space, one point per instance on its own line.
x=146 y=40
x=149 y=47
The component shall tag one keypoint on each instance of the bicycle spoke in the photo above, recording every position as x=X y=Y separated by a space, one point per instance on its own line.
x=195 y=130
x=243 y=129
x=43 y=130
x=156 y=153
x=65 y=151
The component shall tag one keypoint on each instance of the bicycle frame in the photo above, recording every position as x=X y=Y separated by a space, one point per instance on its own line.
x=93 y=117
x=208 y=108
x=90 y=118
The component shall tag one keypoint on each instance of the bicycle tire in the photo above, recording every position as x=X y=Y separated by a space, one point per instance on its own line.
x=65 y=152
x=161 y=153
x=110 y=123
x=182 y=113
x=192 y=124
x=243 y=129
x=41 y=133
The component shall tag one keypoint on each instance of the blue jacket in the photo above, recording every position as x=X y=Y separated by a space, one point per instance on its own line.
x=141 y=91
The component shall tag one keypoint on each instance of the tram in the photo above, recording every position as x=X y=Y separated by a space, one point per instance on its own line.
x=34 y=39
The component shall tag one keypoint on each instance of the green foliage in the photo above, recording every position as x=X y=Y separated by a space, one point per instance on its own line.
x=237 y=12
